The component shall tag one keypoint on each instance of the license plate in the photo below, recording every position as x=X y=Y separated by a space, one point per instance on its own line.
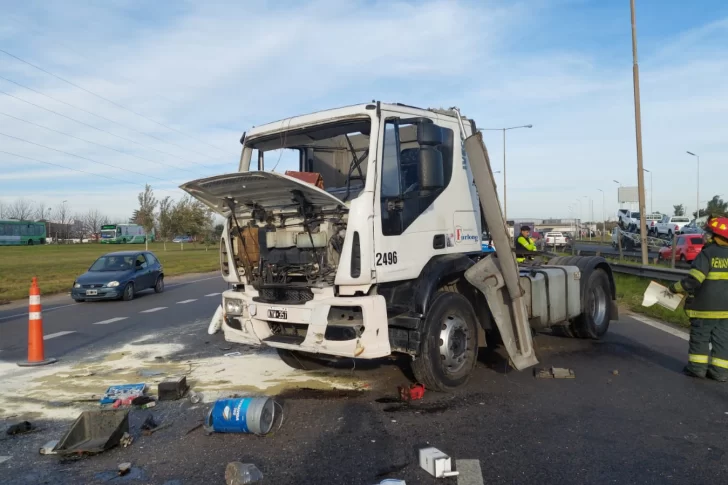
x=277 y=314
x=92 y=292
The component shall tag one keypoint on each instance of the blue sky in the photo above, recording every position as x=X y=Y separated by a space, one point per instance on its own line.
x=210 y=70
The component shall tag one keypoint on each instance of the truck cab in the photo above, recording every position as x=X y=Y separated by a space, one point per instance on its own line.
x=365 y=249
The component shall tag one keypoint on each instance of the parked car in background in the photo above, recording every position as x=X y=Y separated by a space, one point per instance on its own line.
x=670 y=225
x=182 y=239
x=119 y=275
x=555 y=239
x=687 y=248
x=693 y=228
x=651 y=221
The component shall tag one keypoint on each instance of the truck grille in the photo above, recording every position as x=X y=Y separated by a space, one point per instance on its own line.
x=291 y=296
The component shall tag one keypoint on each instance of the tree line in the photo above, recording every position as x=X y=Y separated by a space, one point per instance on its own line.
x=167 y=218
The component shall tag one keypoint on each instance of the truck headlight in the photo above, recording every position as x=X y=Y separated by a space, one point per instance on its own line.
x=113 y=284
x=233 y=306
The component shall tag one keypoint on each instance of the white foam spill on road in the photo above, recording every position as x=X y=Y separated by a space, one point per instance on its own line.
x=64 y=389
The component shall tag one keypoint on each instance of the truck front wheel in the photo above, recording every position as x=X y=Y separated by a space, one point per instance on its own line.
x=449 y=348
x=594 y=321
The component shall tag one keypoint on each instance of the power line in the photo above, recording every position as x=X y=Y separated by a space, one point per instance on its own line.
x=94 y=143
x=79 y=156
x=111 y=121
x=108 y=100
x=70 y=168
x=100 y=129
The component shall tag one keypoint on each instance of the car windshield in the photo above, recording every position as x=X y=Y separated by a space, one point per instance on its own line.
x=696 y=240
x=113 y=263
x=635 y=215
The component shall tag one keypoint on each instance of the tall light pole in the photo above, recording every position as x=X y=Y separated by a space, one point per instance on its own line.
x=652 y=208
x=604 y=216
x=638 y=136
x=505 y=200
x=578 y=219
x=697 y=195
x=588 y=209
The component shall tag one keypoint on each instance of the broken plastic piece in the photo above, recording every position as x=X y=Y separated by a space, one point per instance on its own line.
x=126 y=440
x=436 y=463
x=237 y=473
x=413 y=393
x=95 y=432
x=124 y=468
x=47 y=449
x=554 y=373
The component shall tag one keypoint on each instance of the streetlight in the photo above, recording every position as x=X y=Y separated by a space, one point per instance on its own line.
x=652 y=209
x=697 y=210
x=505 y=201
x=604 y=217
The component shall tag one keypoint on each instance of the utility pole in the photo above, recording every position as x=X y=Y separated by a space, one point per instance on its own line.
x=604 y=217
x=697 y=195
x=638 y=136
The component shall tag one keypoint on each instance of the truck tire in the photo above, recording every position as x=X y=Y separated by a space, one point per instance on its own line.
x=449 y=348
x=594 y=322
x=300 y=360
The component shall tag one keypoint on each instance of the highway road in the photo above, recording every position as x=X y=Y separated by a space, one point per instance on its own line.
x=628 y=417
x=70 y=326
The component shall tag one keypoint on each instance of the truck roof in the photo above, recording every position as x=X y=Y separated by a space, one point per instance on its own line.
x=343 y=113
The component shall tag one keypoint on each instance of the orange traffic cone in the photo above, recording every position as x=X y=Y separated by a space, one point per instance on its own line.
x=36 y=353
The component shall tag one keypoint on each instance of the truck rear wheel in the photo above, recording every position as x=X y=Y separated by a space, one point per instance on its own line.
x=594 y=322
x=449 y=348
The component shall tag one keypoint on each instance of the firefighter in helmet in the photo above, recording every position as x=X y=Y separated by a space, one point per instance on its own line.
x=707 y=304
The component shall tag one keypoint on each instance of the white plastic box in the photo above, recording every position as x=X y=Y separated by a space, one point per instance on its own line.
x=436 y=463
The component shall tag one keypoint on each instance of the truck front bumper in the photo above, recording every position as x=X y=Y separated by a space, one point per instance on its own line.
x=311 y=326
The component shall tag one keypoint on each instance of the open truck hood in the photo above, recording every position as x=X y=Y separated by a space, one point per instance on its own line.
x=267 y=190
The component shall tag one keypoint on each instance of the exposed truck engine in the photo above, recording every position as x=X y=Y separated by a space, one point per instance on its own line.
x=373 y=246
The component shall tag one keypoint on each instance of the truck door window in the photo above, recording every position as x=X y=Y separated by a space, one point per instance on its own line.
x=416 y=167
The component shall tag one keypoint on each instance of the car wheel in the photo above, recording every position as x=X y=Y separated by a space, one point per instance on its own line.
x=159 y=285
x=128 y=294
x=682 y=258
x=30 y=242
x=449 y=349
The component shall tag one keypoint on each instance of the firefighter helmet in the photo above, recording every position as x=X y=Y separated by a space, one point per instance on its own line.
x=718 y=226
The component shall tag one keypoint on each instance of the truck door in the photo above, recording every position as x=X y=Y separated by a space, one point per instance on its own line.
x=423 y=205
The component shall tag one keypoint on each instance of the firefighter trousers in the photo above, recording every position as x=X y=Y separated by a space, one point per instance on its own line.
x=706 y=332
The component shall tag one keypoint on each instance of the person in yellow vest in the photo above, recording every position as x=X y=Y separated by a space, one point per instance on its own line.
x=707 y=304
x=525 y=243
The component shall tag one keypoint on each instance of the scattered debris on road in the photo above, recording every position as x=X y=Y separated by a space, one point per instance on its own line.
x=3 y=459
x=232 y=354
x=412 y=393
x=95 y=432
x=150 y=373
x=126 y=440
x=195 y=397
x=20 y=428
x=436 y=463
x=554 y=373
x=615 y=372
x=122 y=392
x=172 y=389
x=237 y=473
x=124 y=468
x=48 y=448
x=242 y=415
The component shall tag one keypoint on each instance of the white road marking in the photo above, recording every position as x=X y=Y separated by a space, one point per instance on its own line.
x=214 y=294
x=152 y=310
x=661 y=326
x=45 y=311
x=3 y=459
x=110 y=320
x=186 y=301
x=193 y=281
x=57 y=334
x=470 y=473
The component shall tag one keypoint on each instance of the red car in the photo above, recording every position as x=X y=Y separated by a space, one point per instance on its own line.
x=687 y=248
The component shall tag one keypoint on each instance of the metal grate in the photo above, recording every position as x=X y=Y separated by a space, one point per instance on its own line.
x=285 y=295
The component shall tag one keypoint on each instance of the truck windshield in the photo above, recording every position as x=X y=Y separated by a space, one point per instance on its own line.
x=333 y=156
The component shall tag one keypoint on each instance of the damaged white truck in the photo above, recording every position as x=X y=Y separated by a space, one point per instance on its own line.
x=373 y=247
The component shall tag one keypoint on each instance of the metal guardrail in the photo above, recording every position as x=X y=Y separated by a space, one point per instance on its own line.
x=652 y=272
